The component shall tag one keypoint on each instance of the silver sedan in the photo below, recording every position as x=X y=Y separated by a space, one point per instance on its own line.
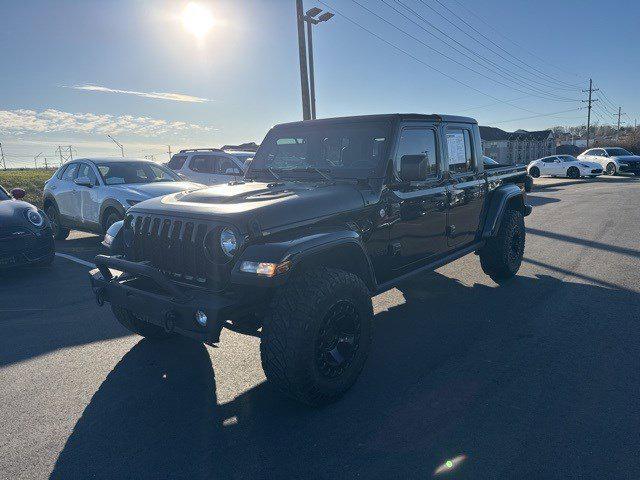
x=90 y=194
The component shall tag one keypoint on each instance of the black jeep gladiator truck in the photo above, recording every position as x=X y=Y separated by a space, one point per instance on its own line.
x=330 y=212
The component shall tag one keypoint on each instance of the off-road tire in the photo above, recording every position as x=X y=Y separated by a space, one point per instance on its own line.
x=59 y=233
x=611 y=168
x=134 y=324
x=528 y=183
x=534 y=172
x=501 y=256
x=298 y=315
x=573 y=172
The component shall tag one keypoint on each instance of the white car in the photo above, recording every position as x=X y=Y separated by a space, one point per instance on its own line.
x=563 y=166
x=210 y=166
x=613 y=159
x=91 y=194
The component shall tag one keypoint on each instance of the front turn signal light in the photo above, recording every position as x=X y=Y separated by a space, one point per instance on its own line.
x=265 y=269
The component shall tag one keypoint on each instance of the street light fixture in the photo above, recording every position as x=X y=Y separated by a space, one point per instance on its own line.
x=311 y=20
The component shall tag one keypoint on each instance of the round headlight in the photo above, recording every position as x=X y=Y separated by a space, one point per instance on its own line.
x=34 y=217
x=228 y=242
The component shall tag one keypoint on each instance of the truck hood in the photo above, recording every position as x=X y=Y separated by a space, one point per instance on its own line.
x=272 y=206
x=150 y=190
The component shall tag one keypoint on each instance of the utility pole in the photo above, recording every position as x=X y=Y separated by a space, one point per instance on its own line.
x=619 y=115
x=310 y=20
x=59 y=150
x=35 y=159
x=169 y=152
x=117 y=143
x=71 y=153
x=4 y=162
x=302 y=53
x=589 y=102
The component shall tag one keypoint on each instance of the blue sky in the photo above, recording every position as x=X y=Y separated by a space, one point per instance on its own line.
x=74 y=71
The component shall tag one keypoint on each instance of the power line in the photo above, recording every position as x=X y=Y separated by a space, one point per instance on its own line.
x=501 y=71
x=540 y=115
x=396 y=47
x=476 y=40
x=486 y=24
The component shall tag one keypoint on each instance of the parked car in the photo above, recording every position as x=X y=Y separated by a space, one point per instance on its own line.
x=490 y=163
x=563 y=166
x=210 y=166
x=25 y=232
x=323 y=221
x=614 y=160
x=90 y=194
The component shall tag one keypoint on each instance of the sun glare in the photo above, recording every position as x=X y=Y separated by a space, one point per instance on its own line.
x=197 y=19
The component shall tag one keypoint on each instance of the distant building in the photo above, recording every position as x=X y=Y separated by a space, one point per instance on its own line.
x=568 y=149
x=520 y=146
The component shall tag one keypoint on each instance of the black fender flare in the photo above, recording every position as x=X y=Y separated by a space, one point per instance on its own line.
x=342 y=249
x=111 y=203
x=500 y=199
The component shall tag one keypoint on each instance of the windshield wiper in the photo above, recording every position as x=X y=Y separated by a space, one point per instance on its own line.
x=324 y=174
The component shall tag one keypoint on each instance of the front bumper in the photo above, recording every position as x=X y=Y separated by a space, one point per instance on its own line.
x=146 y=292
x=26 y=250
x=630 y=168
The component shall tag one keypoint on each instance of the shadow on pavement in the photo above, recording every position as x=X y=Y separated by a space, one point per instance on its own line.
x=537 y=201
x=519 y=381
x=551 y=187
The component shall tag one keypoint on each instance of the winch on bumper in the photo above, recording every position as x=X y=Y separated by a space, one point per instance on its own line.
x=146 y=292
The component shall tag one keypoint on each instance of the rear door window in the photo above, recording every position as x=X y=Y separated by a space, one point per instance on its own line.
x=418 y=141
x=226 y=166
x=86 y=170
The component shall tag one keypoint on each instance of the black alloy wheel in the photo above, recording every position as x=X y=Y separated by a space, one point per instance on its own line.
x=338 y=339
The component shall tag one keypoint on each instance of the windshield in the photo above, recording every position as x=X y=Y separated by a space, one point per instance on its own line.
x=4 y=195
x=568 y=158
x=617 y=152
x=121 y=173
x=354 y=150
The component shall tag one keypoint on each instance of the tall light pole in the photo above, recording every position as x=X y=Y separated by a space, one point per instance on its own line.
x=117 y=143
x=302 y=53
x=311 y=20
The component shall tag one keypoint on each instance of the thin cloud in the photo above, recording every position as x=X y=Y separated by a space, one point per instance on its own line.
x=174 y=97
x=22 y=121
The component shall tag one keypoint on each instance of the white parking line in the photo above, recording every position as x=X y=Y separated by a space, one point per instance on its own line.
x=76 y=259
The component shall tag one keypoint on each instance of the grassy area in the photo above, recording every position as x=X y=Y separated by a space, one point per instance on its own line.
x=31 y=180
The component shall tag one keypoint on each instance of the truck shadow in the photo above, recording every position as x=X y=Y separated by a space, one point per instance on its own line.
x=498 y=379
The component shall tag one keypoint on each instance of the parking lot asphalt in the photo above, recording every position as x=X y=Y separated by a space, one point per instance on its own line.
x=537 y=378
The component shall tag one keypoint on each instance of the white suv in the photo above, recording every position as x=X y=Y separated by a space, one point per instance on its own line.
x=209 y=166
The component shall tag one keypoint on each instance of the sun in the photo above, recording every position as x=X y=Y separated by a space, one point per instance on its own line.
x=197 y=19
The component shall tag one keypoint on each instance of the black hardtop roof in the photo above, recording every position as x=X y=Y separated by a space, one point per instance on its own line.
x=386 y=117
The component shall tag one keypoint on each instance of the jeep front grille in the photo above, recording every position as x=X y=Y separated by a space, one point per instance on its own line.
x=177 y=247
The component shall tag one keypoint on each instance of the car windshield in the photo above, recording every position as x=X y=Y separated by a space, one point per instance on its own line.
x=121 y=173
x=351 y=150
x=4 y=195
x=617 y=152
x=568 y=158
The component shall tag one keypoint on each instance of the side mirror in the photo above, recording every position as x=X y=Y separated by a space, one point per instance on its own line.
x=18 y=193
x=84 y=182
x=413 y=168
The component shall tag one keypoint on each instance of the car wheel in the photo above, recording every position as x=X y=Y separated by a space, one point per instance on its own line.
x=611 y=168
x=111 y=218
x=135 y=324
x=534 y=172
x=317 y=335
x=59 y=233
x=501 y=256
x=573 y=172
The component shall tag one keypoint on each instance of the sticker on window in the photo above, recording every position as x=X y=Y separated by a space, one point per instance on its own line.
x=455 y=148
